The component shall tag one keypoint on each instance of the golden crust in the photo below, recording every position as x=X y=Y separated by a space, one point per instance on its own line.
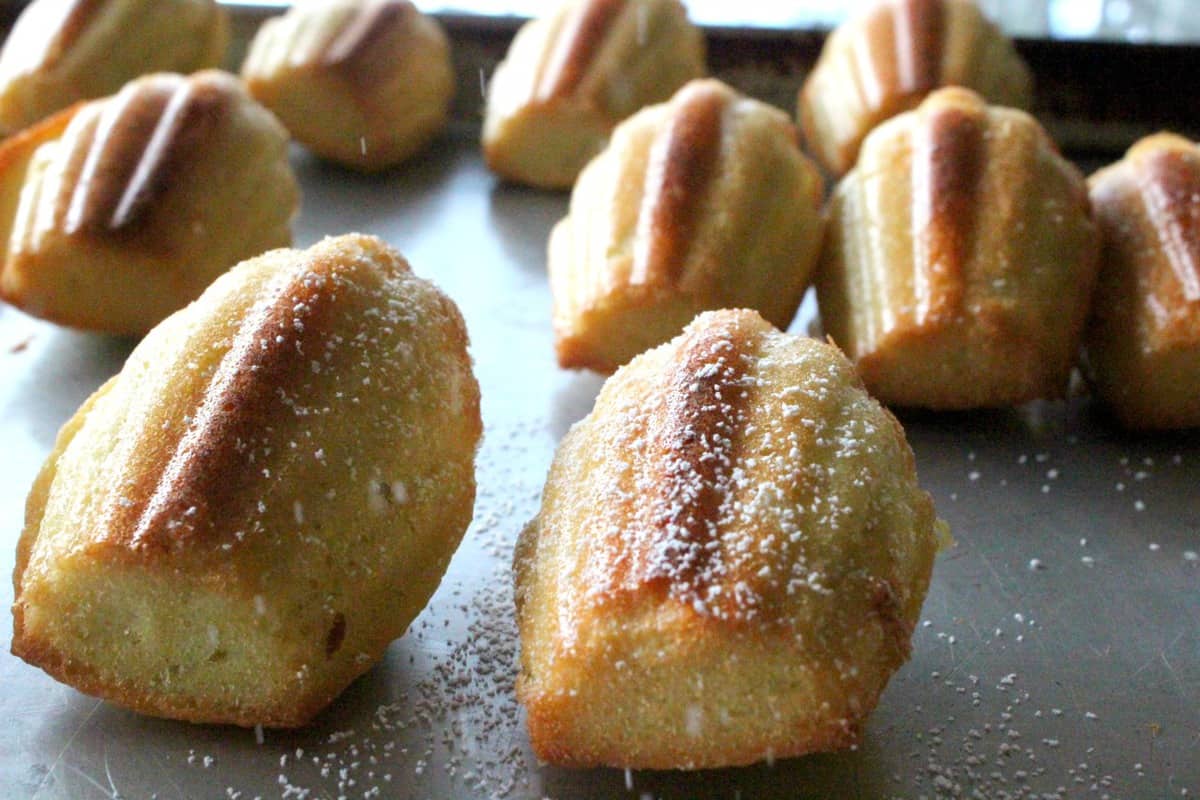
x=888 y=59
x=729 y=560
x=1143 y=342
x=571 y=76
x=959 y=259
x=237 y=525
x=119 y=211
x=365 y=84
x=674 y=217
x=63 y=51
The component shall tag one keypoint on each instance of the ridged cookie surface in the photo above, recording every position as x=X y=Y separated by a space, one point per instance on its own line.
x=366 y=84
x=960 y=258
x=240 y=522
x=119 y=211
x=63 y=51
x=1143 y=343
x=571 y=76
x=887 y=59
x=730 y=557
x=704 y=202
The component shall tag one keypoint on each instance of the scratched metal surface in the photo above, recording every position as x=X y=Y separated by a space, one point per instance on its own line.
x=1059 y=654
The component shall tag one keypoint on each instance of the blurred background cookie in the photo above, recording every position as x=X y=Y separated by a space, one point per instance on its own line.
x=119 y=211
x=888 y=58
x=1143 y=344
x=572 y=75
x=62 y=51
x=365 y=83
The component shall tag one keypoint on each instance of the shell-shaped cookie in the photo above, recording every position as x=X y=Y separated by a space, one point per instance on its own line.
x=701 y=203
x=63 y=51
x=365 y=83
x=119 y=211
x=571 y=76
x=236 y=526
x=1143 y=342
x=729 y=560
x=960 y=258
x=889 y=58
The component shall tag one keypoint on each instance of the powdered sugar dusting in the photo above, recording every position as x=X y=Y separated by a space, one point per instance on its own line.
x=737 y=470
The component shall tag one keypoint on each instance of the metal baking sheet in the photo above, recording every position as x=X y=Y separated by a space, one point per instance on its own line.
x=1058 y=654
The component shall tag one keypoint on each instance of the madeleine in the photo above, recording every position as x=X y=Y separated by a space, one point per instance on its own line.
x=239 y=523
x=117 y=212
x=63 y=51
x=365 y=84
x=704 y=202
x=571 y=76
x=889 y=58
x=729 y=560
x=960 y=258
x=1143 y=342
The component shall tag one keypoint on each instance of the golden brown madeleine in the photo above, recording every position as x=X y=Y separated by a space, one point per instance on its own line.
x=62 y=51
x=236 y=526
x=704 y=202
x=365 y=83
x=730 y=558
x=889 y=58
x=119 y=211
x=960 y=258
x=571 y=76
x=1143 y=342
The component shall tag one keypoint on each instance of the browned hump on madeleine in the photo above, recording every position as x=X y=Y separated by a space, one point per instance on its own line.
x=693 y=447
x=361 y=48
x=76 y=16
x=948 y=161
x=582 y=33
x=211 y=476
x=1169 y=186
x=145 y=137
x=683 y=160
x=898 y=50
x=919 y=28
